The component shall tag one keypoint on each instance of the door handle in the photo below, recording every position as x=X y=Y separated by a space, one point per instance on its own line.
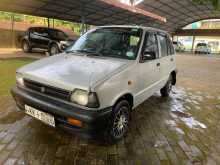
x=158 y=64
x=171 y=59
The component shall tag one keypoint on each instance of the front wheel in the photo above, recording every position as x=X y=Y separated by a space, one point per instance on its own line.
x=26 y=47
x=53 y=49
x=119 y=122
x=165 y=91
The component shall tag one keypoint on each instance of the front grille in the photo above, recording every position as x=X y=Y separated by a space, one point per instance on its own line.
x=47 y=90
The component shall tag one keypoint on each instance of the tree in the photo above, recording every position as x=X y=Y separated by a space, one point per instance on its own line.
x=215 y=3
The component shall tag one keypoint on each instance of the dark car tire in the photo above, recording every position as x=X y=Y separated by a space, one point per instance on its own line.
x=165 y=91
x=119 y=122
x=26 y=47
x=53 y=49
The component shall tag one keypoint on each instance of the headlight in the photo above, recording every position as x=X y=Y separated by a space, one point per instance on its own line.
x=63 y=42
x=19 y=80
x=85 y=98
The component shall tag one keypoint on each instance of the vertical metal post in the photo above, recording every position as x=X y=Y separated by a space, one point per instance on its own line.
x=48 y=22
x=53 y=23
x=132 y=2
x=12 y=31
x=193 y=43
x=83 y=22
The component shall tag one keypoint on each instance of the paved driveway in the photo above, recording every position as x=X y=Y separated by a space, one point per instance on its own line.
x=183 y=129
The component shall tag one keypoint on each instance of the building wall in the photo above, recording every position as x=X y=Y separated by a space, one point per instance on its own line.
x=9 y=39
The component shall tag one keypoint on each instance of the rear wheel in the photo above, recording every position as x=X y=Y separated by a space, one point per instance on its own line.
x=26 y=47
x=119 y=122
x=54 y=49
x=165 y=91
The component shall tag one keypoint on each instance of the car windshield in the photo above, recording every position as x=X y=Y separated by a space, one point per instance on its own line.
x=110 y=42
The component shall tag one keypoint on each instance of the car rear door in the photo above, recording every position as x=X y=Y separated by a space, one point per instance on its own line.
x=167 y=55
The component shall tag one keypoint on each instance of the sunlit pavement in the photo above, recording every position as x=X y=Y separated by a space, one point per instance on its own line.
x=183 y=129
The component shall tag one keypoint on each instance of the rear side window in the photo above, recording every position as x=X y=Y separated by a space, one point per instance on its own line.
x=170 y=46
x=163 y=45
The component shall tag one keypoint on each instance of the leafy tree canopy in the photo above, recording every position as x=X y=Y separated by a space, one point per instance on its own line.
x=215 y=3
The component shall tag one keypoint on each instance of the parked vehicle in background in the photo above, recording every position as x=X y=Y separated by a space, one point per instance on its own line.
x=91 y=88
x=52 y=40
x=178 y=46
x=203 y=48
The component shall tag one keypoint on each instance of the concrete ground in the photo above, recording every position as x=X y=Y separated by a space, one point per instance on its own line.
x=183 y=129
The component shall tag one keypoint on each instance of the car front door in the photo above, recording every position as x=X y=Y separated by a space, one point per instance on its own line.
x=149 y=67
x=39 y=37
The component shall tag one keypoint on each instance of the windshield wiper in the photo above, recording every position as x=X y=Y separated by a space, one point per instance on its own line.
x=89 y=52
x=86 y=51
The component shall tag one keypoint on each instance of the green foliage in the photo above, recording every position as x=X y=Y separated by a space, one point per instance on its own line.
x=7 y=72
x=75 y=27
x=215 y=3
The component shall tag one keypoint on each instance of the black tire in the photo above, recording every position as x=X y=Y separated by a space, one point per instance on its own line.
x=53 y=49
x=119 y=122
x=26 y=47
x=165 y=91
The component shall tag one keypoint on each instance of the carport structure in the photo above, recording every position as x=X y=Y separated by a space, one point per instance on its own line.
x=169 y=15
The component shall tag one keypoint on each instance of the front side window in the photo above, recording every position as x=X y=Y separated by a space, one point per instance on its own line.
x=110 y=42
x=40 y=32
x=150 y=48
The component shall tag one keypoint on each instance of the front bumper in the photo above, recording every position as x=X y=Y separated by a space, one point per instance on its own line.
x=94 y=122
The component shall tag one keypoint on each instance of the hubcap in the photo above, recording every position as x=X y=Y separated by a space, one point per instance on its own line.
x=121 y=122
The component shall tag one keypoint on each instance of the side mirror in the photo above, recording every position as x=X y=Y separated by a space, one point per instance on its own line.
x=149 y=55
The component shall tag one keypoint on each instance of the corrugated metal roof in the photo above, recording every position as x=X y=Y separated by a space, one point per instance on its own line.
x=179 y=13
x=100 y=12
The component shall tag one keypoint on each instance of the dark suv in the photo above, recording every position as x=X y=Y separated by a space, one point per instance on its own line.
x=53 y=40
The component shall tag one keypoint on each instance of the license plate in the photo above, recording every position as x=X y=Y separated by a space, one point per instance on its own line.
x=42 y=116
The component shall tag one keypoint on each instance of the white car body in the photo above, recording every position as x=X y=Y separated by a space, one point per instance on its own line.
x=103 y=79
x=108 y=77
x=203 y=48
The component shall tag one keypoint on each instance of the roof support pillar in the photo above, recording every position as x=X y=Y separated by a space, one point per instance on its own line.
x=48 y=22
x=12 y=31
x=83 y=20
x=193 y=43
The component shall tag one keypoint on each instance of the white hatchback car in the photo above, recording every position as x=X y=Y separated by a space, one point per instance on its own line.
x=203 y=48
x=92 y=88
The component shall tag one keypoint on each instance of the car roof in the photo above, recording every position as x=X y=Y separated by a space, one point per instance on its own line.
x=136 y=26
x=202 y=43
x=33 y=27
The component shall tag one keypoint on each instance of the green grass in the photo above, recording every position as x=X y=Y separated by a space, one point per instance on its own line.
x=8 y=68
